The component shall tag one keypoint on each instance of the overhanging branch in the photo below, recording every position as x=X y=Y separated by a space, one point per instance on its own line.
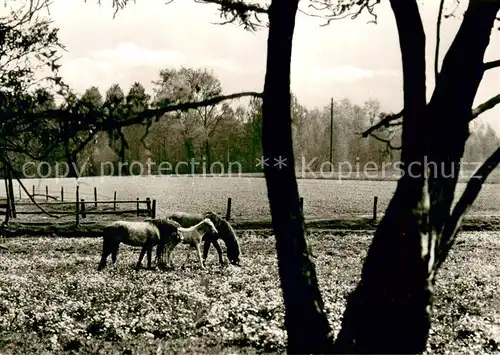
x=139 y=117
x=6 y=161
x=384 y=122
x=466 y=200
x=389 y=120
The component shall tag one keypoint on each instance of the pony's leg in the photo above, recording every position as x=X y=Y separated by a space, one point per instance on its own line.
x=188 y=253
x=219 y=251
x=106 y=250
x=170 y=249
x=206 y=248
x=114 y=253
x=141 y=256
x=150 y=251
x=160 y=251
x=199 y=256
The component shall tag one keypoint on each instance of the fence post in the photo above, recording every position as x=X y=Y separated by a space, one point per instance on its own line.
x=301 y=205
x=83 y=208
x=77 y=205
x=153 y=209
x=20 y=194
x=137 y=206
x=11 y=193
x=8 y=212
x=375 y=200
x=46 y=192
x=148 y=206
x=33 y=191
x=95 y=196
x=114 y=203
x=228 y=209
x=62 y=193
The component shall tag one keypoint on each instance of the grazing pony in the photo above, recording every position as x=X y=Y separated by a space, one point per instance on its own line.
x=169 y=238
x=226 y=233
x=138 y=234
x=195 y=234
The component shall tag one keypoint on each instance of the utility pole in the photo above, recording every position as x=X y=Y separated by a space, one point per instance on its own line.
x=331 y=135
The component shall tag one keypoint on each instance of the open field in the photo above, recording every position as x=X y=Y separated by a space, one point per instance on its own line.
x=322 y=198
x=52 y=299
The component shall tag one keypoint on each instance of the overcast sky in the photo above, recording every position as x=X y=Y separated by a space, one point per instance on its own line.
x=347 y=59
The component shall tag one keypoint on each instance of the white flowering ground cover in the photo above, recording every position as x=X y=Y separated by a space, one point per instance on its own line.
x=52 y=299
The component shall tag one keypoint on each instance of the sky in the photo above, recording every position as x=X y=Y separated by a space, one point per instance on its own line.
x=350 y=59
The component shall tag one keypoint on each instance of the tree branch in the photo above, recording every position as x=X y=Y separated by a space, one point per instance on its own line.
x=6 y=161
x=438 y=40
x=492 y=64
x=466 y=200
x=384 y=122
x=485 y=106
x=388 y=120
x=386 y=141
x=236 y=5
x=138 y=118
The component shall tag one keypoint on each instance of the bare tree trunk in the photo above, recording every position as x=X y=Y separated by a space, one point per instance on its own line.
x=207 y=153
x=306 y=323
x=391 y=308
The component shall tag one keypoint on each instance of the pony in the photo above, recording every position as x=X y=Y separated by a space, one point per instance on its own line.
x=169 y=238
x=195 y=234
x=146 y=234
x=225 y=232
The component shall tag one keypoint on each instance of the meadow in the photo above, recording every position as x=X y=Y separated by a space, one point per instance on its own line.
x=52 y=299
x=323 y=198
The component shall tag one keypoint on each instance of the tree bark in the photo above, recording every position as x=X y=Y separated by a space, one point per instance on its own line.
x=390 y=310
x=305 y=320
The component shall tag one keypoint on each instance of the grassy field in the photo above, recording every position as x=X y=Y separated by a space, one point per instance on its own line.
x=52 y=299
x=322 y=198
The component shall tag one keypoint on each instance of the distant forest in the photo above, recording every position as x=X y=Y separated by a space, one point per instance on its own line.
x=221 y=133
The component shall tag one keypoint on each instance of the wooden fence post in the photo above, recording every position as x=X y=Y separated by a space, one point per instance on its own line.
x=114 y=203
x=137 y=206
x=375 y=200
x=77 y=206
x=228 y=209
x=148 y=206
x=83 y=208
x=95 y=196
x=62 y=193
x=33 y=191
x=153 y=210
x=46 y=192
x=8 y=212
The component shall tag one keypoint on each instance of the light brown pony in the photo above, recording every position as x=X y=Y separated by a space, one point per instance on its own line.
x=145 y=234
x=194 y=235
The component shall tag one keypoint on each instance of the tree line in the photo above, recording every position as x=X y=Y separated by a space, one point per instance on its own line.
x=222 y=133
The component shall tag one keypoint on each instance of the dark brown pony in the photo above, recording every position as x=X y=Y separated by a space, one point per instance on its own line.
x=226 y=233
x=170 y=236
x=145 y=234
